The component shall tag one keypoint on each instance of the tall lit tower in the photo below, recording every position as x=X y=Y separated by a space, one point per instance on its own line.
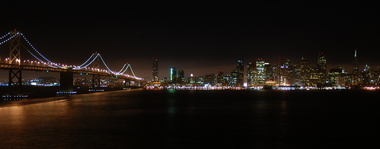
x=321 y=63
x=260 y=70
x=305 y=72
x=173 y=75
x=155 y=69
x=240 y=72
x=355 y=69
x=321 y=68
x=180 y=76
x=251 y=69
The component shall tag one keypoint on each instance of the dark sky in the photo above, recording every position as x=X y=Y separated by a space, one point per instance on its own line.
x=198 y=38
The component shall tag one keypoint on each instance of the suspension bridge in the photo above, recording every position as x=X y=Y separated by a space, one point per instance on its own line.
x=92 y=66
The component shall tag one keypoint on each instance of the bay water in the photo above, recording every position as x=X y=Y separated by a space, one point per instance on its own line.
x=193 y=119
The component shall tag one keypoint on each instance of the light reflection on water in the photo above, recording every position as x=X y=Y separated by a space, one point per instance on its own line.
x=14 y=115
x=187 y=119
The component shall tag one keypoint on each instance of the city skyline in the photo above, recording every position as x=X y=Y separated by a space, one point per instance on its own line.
x=355 y=63
x=198 y=39
x=284 y=74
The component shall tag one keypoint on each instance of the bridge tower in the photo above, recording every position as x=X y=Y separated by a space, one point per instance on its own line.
x=15 y=77
x=66 y=81
x=96 y=77
x=127 y=83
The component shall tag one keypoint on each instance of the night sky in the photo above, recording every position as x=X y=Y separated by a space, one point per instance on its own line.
x=198 y=38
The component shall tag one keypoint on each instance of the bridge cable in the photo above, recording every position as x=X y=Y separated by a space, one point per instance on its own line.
x=8 y=39
x=41 y=60
x=90 y=62
x=86 y=60
x=105 y=64
x=38 y=51
x=120 y=71
x=131 y=70
x=5 y=35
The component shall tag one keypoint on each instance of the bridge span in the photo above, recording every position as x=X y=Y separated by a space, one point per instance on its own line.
x=92 y=66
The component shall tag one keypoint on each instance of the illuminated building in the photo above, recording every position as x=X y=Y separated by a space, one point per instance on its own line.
x=233 y=79
x=200 y=81
x=192 y=80
x=284 y=73
x=210 y=79
x=155 y=69
x=251 y=69
x=336 y=77
x=295 y=75
x=173 y=75
x=355 y=71
x=304 y=72
x=321 y=69
x=366 y=76
x=269 y=71
x=180 y=76
x=221 y=79
x=321 y=63
x=286 y=62
x=238 y=74
x=260 y=72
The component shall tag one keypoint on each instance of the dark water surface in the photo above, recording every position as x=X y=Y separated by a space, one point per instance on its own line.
x=194 y=119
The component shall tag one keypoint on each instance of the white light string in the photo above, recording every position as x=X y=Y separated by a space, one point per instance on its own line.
x=5 y=35
x=90 y=62
x=122 y=69
x=87 y=60
x=106 y=64
x=41 y=60
x=130 y=67
x=38 y=51
x=8 y=39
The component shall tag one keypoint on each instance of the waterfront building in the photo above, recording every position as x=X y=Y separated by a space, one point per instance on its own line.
x=240 y=72
x=260 y=75
x=155 y=70
x=304 y=72
x=180 y=77
x=336 y=77
x=295 y=75
x=355 y=68
x=173 y=75
x=221 y=79
x=200 y=81
x=251 y=71
x=210 y=79
x=283 y=77
x=366 y=76
x=270 y=73
x=233 y=79
x=321 y=69
x=355 y=78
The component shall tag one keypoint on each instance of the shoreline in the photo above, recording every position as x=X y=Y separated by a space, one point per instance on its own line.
x=45 y=94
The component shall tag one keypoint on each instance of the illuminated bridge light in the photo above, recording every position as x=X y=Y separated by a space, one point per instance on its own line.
x=41 y=60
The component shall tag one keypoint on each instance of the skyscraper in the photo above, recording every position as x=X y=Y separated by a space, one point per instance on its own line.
x=155 y=69
x=173 y=75
x=180 y=76
x=321 y=68
x=260 y=70
x=237 y=75
x=305 y=72
x=240 y=72
x=321 y=63
x=355 y=69
x=251 y=69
